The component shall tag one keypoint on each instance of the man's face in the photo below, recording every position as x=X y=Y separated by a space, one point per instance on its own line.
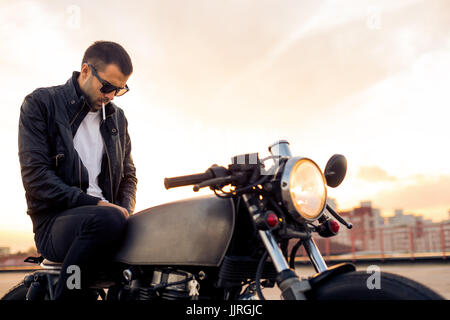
x=91 y=85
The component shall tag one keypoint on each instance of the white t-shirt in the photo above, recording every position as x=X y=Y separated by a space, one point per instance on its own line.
x=89 y=144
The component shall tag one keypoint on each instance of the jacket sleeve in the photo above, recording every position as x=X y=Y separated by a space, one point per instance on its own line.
x=39 y=178
x=127 y=188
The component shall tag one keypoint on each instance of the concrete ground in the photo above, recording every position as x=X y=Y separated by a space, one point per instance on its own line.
x=434 y=275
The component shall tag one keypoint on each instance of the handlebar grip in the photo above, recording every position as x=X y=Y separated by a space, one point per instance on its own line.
x=187 y=180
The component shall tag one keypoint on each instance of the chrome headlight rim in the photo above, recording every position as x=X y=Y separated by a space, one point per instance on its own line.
x=285 y=189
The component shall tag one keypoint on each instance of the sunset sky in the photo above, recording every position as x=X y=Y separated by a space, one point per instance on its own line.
x=213 y=79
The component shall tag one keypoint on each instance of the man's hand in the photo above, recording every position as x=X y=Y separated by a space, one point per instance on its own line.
x=107 y=204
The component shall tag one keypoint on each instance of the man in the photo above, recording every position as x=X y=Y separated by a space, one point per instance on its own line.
x=76 y=165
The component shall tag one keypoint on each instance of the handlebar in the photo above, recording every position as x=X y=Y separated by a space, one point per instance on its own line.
x=214 y=171
x=187 y=180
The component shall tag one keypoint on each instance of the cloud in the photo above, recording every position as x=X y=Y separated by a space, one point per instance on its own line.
x=374 y=174
x=426 y=192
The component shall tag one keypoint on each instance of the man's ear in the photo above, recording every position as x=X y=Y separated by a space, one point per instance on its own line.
x=84 y=71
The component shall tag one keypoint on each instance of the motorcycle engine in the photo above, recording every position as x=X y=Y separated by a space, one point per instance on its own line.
x=166 y=284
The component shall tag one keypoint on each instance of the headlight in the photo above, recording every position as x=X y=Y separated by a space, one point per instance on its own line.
x=303 y=188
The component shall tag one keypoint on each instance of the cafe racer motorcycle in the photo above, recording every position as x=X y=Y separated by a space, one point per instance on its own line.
x=231 y=245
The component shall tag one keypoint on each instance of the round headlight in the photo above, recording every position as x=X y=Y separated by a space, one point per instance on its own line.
x=303 y=188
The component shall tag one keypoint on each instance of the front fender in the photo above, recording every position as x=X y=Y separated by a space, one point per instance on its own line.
x=322 y=277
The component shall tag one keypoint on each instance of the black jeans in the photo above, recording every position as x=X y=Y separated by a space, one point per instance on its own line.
x=86 y=237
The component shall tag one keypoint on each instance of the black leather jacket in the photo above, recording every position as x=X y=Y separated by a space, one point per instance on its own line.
x=53 y=174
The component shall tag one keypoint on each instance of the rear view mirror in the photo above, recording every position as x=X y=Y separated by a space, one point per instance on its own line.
x=335 y=170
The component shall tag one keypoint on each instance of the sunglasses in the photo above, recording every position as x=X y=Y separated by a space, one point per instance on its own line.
x=108 y=87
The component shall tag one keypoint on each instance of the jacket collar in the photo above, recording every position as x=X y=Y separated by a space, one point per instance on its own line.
x=75 y=98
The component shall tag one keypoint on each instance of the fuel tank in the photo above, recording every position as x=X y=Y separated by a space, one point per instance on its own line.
x=194 y=231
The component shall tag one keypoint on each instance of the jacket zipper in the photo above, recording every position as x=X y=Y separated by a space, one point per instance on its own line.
x=76 y=116
x=121 y=160
x=79 y=160
x=59 y=155
x=79 y=171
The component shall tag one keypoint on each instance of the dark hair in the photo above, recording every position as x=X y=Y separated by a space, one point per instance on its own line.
x=102 y=53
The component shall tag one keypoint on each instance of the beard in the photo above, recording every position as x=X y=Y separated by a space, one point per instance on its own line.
x=95 y=101
x=94 y=105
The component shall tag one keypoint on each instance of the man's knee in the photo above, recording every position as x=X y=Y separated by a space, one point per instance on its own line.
x=110 y=222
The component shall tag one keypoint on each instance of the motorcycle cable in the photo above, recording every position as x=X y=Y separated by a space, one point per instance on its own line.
x=277 y=209
x=239 y=191
x=242 y=190
x=294 y=254
x=300 y=241
x=224 y=194
x=164 y=285
x=157 y=289
x=258 y=276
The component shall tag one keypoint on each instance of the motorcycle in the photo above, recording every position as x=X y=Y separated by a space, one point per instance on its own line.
x=233 y=244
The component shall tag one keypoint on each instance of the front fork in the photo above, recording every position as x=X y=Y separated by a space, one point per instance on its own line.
x=288 y=282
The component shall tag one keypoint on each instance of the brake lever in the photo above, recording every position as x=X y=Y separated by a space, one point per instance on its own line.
x=338 y=217
x=211 y=182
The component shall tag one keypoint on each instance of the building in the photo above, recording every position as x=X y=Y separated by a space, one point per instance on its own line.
x=366 y=220
x=400 y=219
x=374 y=236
